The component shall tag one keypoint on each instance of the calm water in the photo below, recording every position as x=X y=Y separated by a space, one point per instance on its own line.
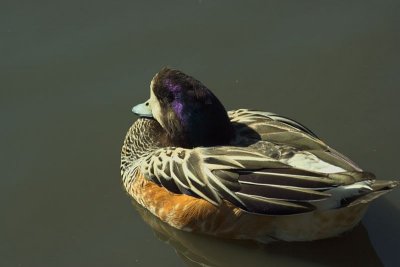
x=72 y=70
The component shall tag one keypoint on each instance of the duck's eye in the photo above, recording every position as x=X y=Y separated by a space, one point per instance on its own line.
x=147 y=104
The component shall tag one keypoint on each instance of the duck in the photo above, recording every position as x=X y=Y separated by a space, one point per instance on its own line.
x=240 y=174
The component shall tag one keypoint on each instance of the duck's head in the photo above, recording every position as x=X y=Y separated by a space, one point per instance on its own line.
x=187 y=110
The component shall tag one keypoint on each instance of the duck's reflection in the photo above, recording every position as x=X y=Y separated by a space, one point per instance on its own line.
x=351 y=249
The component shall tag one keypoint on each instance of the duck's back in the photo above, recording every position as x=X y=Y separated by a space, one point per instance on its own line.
x=315 y=165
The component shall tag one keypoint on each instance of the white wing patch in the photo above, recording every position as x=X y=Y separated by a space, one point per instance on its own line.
x=343 y=192
x=307 y=161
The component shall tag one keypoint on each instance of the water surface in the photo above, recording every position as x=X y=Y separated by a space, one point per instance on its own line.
x=72 y=70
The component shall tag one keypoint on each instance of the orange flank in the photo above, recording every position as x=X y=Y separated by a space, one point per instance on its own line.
x=198 y=215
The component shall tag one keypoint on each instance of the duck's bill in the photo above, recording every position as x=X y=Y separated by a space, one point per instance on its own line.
x=143 y=110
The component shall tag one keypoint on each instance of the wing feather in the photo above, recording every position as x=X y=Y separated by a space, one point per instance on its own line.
x=288 y=177
x=280 y=130
x=251 y=116
x=273 y=206
x=290 y=193
x=243 y=176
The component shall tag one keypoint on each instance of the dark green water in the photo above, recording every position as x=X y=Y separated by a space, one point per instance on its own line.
x=72 y=70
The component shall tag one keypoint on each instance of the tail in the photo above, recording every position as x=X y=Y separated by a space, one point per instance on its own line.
x=379 y=188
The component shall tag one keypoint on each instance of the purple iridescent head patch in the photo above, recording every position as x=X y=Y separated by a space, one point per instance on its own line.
x=178 y=108
x=176 y=89
x=172 y=86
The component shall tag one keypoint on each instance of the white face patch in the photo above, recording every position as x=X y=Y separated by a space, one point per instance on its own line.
x=155 y=105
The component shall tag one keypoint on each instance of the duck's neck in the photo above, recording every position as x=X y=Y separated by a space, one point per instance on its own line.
x=201 y=127
x=204 y=134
